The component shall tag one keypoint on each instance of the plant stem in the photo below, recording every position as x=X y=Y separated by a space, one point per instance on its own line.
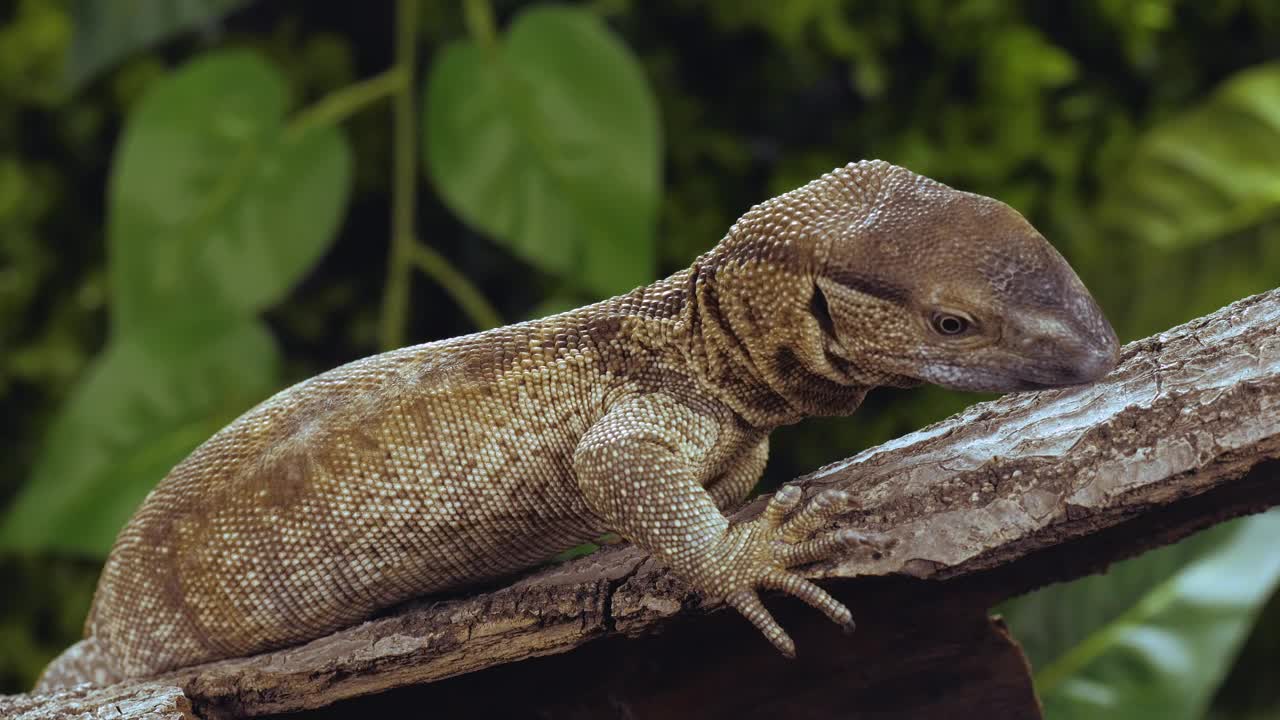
x=1097 y=643
x=406 y=251
x=480 y=24
x=345 y=102
x=395 y=300
x=469 y=299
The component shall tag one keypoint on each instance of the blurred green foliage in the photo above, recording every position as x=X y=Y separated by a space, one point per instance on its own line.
x=1207 y=172
x=189 y=221
x=215 y=210
x=106 y=32
x=1153 y=637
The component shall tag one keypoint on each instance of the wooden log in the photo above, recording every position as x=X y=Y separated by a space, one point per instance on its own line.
x=1002 y=498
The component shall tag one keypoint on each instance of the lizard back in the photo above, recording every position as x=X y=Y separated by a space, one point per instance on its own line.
x=410 y=472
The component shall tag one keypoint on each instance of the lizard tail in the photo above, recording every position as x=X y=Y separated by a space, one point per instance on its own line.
x=84 y=662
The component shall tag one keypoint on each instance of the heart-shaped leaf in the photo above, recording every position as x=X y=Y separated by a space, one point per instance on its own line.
x=549 y=143
x=214 y=204
x=216 y=209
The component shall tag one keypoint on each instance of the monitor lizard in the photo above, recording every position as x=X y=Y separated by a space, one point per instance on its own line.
x=443 y=465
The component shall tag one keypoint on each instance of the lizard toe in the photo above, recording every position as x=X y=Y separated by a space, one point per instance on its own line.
x=747 y=602
x=840 y=543
x=780 y=505
x=821 y=509
x=792 y=584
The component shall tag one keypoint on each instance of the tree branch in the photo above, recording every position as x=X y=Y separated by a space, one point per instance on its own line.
x=1002 y=498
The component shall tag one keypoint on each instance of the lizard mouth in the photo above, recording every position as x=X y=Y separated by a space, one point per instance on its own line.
x=840 y=359
x=958 y=377
x=845 y=368
x=883 y=370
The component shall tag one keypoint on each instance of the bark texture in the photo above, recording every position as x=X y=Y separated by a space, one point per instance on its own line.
x=133 y=701
x=1002 y=498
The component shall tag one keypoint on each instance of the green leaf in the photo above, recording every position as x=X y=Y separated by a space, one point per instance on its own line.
x=214 y=203
x=106 y=32
x=133 y=416
x=549 y=142
x=1155 y=636
x=1207 y=172
x=216 y=209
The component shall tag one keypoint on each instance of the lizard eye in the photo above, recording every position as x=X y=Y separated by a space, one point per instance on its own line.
x=948 y=324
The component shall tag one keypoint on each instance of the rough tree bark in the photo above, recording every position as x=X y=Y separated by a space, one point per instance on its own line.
x=1005 y=497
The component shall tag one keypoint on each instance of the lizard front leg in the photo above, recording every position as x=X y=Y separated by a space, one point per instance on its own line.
x=636 y=468
x=735 y=483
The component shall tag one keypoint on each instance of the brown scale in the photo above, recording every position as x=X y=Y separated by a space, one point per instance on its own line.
x=439 y=466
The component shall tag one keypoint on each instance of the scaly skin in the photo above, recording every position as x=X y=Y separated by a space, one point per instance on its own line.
x=439 y=466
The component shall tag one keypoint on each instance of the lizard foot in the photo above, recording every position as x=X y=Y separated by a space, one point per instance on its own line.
x=760 y=554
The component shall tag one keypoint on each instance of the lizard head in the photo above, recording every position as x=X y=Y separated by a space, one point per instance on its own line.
x=921 y=282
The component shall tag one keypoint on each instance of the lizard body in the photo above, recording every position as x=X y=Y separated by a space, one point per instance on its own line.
x=443 y=465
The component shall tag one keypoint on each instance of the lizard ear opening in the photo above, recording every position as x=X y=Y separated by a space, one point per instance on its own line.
x=822 y=312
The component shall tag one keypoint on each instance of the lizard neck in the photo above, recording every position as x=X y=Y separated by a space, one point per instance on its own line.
x=755 y=343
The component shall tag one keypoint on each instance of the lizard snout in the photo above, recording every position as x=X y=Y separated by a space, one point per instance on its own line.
x=1097 y=347
x=1064 y=349
x=1093 y=361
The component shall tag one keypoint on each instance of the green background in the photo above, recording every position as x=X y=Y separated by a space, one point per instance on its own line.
x=203 y=201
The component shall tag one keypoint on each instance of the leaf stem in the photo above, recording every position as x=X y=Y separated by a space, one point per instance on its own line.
x=1077 y=657
x=469 y=299
x=480 y=24
x=347 y=101
x=395 y=299
x=407 y=252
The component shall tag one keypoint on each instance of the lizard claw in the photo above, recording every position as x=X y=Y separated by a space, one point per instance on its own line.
x=759 y=553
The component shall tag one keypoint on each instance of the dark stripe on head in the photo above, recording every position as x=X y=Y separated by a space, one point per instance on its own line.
x=822 y=311
x=868 y=285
